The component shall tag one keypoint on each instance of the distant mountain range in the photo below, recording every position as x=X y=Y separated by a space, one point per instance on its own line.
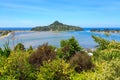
x=57 y=26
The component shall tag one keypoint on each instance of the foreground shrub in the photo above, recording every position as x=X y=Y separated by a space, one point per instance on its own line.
x=30 y=49
x=104 y=70
x=19 y=47
x=1 y=51
x=109 y=54
x=11 y=77
x=102 y=43
x=55 y=70
x=2 y=62
x=81 y=61
x=6 y=50
x=44 y=52
x=107 y=50
x=16 y=67
x=69 y=48
x=113 y=70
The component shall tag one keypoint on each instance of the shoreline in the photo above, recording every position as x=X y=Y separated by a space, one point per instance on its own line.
x=4 y=36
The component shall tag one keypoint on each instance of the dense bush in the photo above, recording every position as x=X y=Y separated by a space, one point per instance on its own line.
x=55 y=70
x=63 y=53
x=6 y=50
x=1 y=51
x=109 y=54
x=107 y=50
x=102 y=43
x=44 y=52
x=69 y=48
x=70 y=63
x=105 y=70
x=30 y=49
x=19 y=47
x=2 y=62
x=81 y=61
x=17 y=67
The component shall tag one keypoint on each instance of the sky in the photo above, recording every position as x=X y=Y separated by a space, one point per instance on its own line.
x=83 y=13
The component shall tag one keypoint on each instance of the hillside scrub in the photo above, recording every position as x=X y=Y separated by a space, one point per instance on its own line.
x=106 y=50
x=68 y=48
x=68 y=62
x=44 y=52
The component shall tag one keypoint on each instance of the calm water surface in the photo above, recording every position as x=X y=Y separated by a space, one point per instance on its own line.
x=37 y=38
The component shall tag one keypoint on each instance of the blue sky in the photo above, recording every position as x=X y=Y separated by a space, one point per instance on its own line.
x=84 y=13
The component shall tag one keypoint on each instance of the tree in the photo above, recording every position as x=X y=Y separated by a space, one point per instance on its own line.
x=102 y=43
x=20 y=47
x=107 y=50
x=69 y=47
x=30 y=49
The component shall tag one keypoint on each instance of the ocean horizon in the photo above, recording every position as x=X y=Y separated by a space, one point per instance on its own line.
x=15 y=28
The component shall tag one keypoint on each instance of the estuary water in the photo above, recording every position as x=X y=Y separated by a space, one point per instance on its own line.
x=53 y=38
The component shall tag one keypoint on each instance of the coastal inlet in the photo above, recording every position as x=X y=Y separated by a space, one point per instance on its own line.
x=35 y=39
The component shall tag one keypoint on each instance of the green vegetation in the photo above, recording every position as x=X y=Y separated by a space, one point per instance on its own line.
x=81 y=61
x=6 y=52
x=57 y=26
x=30 y=49
x=5 y=32
x=106 y=30
x=44 y=52
x=56 y=70
x=19 y=47
x=68 y=48
x=69 y=62
x=107 y=50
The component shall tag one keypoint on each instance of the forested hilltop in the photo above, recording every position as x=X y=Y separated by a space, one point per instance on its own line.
x=57 y=26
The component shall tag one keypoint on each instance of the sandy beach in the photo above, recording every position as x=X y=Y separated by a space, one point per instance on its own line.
x=1 y=37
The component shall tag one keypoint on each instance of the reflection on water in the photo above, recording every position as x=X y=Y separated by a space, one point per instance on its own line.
x=37 y=38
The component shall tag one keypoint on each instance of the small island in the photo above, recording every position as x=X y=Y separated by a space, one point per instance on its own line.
x=57 y=26
x=4 y=33
x=107 y=30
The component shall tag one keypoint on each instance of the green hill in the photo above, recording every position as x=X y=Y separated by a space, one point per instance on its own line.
x=57 y=26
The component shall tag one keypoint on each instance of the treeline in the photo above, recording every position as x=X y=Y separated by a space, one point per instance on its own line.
x=68 y=62
x=57 y=26
x=106 y=30
x=4 y=32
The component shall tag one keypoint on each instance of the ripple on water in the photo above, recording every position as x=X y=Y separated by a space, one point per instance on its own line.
x=37 y=38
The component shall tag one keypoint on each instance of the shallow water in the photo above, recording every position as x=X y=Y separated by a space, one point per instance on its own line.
x=37 y=38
